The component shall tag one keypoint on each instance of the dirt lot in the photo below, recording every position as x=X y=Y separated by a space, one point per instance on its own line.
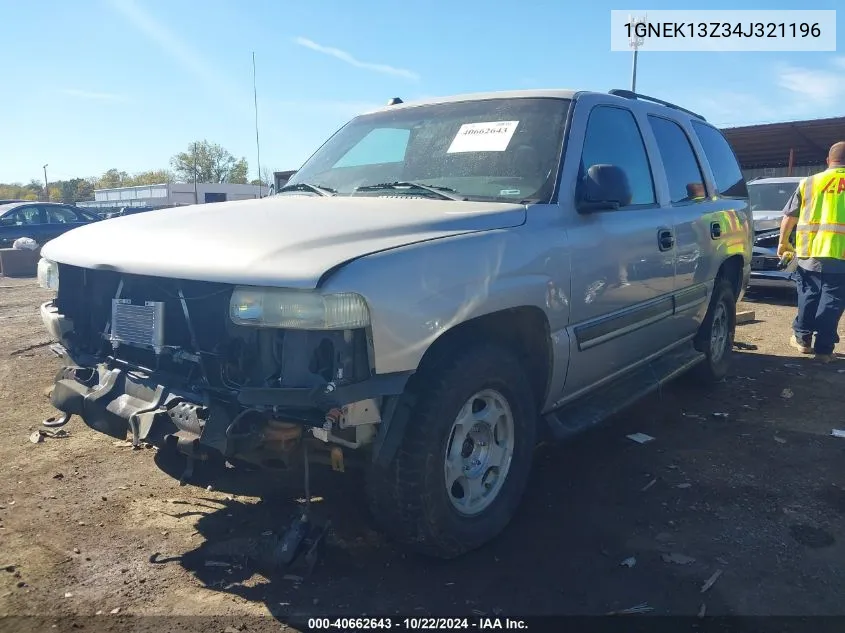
x=759 y=494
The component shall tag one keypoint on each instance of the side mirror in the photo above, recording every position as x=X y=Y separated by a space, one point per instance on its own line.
x=604 y=187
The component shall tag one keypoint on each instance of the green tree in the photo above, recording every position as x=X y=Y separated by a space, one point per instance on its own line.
x=152 y=177
x=112 y=179
x=68 y=190
x=85 y=188
x=209 y=162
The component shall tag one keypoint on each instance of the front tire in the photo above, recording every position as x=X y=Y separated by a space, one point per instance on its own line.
x=716 y=335
x=463 y=464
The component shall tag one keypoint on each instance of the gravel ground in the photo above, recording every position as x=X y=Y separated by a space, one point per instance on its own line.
x=755 y=497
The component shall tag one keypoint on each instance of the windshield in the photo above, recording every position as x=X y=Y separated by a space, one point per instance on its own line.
x=771 y=196
x=496 y=149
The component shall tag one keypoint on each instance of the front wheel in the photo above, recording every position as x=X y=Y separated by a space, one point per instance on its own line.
x=464 y=461
x=716 y=335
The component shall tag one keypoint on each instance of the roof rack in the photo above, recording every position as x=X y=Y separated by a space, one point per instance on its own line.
x=628 y=94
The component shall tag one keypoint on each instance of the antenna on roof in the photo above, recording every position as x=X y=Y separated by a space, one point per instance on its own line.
x=395 y=101
x=257 y=146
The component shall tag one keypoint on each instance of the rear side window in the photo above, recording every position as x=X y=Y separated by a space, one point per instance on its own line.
x=729 y=180
x=686 y=181
x=613 y=138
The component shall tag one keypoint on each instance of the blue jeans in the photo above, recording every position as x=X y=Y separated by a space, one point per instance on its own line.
x=821 y=301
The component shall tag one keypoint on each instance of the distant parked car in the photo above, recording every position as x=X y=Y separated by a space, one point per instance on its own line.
x=133 y=210
x=41 y=221
x=768 y=197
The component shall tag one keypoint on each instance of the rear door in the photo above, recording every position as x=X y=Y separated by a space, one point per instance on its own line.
x=622 y=260
x=61 y=219
x=689 y=206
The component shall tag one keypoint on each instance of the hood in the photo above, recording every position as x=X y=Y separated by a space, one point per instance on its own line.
x=767 y=220
x=286 y=241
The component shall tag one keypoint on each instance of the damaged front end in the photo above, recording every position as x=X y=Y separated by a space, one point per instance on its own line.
x=214 y=369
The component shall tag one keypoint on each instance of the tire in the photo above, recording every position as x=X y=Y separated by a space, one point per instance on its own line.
x=716 y=335
x=409 y=498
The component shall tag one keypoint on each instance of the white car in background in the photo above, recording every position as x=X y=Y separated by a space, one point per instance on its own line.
x=768 y=197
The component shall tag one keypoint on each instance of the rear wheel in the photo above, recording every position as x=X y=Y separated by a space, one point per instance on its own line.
x=463 y=463
x=716 y=335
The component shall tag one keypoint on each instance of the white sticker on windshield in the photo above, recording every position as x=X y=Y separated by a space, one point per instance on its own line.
x=491 y=136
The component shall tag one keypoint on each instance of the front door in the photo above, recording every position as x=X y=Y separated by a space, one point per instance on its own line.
x=623 y=261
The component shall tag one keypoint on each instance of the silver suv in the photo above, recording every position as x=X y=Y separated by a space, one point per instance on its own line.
x=441 y=285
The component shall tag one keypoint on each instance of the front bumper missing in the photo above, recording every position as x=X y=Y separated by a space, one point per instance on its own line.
x=120 y=403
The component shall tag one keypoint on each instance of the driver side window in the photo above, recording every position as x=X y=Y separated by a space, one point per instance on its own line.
x=613 y=137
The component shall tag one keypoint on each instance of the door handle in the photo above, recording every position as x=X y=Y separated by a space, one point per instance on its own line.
x=665 y=240
x=715 y=230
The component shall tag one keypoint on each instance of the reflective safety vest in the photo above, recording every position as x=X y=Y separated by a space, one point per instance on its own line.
x=821 y=221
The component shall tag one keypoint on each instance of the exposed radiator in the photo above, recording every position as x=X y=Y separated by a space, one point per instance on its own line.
x=141 y=325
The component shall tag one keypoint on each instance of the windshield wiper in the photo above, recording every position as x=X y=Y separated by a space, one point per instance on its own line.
x=443 y=192
x=304 y=186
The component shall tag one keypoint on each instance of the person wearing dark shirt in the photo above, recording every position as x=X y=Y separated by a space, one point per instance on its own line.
x=816 y=211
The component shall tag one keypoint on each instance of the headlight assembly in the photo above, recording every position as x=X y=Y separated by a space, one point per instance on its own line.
x=297 y=309
x=48 y=274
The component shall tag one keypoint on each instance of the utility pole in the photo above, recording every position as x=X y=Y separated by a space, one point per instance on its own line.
x=257 y=146
x=46 y=185
x=196 y=195
x=635 y=42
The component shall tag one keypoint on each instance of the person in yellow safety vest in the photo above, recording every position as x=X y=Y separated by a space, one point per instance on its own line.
x=817 y=212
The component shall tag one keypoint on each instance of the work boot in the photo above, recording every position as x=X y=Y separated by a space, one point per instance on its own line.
x=802 y=347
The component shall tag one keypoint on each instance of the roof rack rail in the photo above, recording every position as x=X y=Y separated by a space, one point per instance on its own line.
x=628 y=94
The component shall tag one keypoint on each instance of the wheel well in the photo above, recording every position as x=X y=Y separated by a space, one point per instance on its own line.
x=524 y=330
x=731 y=270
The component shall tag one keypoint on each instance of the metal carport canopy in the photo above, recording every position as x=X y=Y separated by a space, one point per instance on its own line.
x=769 y=145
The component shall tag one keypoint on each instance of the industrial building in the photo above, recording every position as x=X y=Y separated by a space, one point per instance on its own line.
x=170 y=195
x=795 y=148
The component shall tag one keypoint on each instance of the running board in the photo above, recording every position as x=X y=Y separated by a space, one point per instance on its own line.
x=600 y=404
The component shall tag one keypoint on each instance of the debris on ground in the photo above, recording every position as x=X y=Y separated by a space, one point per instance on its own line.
x=720 y=414
x=629 y=562
x=648 y=485
x=744 y=316
x=123 y=444
x=746 y=346
x=678 y=559
x=684 y=486
x=711 y=581
x=780 y=440
x=787 y=393
x=838 y=432
x=115 y=611
x=702 y=610
x=38 y=436
x=640 y=438
x=640 y=608
x=68 y=594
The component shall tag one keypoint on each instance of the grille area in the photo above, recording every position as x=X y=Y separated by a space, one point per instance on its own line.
x=138 y=324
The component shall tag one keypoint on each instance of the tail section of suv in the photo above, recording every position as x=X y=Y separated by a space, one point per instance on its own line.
x=439 y=286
